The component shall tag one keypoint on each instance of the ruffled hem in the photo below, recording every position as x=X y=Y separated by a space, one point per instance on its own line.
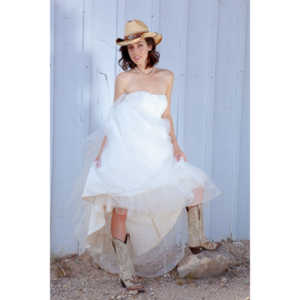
x=185 y=186
x=166 y=198
x=152 y=213
x=153 y=256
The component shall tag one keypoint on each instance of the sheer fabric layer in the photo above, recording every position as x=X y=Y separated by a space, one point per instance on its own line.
x=139 y=172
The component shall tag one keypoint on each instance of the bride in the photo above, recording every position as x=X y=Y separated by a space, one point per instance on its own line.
x=140 y=182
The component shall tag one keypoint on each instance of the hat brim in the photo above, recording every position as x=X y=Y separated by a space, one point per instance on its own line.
x=155 y=35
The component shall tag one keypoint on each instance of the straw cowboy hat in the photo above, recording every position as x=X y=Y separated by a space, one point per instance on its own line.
x=136 y=30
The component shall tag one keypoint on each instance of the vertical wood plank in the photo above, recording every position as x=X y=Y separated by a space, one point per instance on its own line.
x=228 y=111
x=243 y=210
x=52 y=87
x=70 y=118
x=102 y=32
x=173 y=55
x=141 y=10
x=200 y=87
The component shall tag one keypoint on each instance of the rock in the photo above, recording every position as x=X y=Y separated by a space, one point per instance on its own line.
x=180 y=282
x=55 y=272
x=202 y=265
x=132 y=293
x=238 y=244
x=224 y=281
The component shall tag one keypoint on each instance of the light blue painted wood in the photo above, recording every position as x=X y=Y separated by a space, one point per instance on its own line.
x=101 y=45
x=206 y=45
x=70 y=117
x=243 y=210
x=173 y=55
x=231 y=50
x=200 y=89
x=52 y=87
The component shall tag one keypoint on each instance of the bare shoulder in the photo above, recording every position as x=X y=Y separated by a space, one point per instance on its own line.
x=168 y=75
x=123 y=76
x=120 y=84
x=122 y=79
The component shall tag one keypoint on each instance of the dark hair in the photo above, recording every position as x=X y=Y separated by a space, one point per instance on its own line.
x=153 y=56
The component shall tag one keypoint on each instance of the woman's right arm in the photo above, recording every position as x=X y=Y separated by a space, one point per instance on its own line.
x=120 y=83
x=101 y=148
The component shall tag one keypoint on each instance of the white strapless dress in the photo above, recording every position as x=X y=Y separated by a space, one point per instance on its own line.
x=139 y=172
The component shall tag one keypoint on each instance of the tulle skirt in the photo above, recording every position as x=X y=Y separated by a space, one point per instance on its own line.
x=140 y=173
x=156 y=217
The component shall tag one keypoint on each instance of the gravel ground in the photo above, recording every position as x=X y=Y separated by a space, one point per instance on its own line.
x=76 y=277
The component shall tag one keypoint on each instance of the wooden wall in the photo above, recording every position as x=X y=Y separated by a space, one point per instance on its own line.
x=206 y=44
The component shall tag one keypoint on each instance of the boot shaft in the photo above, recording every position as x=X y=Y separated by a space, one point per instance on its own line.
x=127 y=274
x=194 y=226
x=125 y=263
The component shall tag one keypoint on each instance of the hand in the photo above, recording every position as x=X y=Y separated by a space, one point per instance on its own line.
x=178 y=153
x=98 y=161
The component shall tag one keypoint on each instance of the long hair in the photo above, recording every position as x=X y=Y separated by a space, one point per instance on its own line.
x=126 y=63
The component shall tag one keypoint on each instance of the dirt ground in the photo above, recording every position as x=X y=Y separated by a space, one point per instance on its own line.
x=76 y=277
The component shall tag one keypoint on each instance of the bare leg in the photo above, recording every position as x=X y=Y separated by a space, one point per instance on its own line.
x=198 y=194
x=118 y=223
x=188 y=207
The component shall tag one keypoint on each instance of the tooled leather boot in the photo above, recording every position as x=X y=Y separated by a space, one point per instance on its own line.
x=205 y=243
x=193 y=226
x=127 y=275
x=197 y=239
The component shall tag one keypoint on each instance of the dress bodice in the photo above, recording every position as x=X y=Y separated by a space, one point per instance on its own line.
x=145 y=102
x=135 y=123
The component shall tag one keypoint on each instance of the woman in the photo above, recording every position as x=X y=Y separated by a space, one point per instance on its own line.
x=140 y=181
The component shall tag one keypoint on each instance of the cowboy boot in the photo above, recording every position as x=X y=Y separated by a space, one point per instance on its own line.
x=193 y=226
x=204 y=242
x=127 y=275
x=197 y=239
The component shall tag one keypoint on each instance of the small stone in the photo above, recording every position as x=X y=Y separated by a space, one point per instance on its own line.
x=132 y=292
x=180 y=281
x=224 y=280
x=238 y=243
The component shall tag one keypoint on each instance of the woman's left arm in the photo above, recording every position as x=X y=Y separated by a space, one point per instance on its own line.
x=178 y=153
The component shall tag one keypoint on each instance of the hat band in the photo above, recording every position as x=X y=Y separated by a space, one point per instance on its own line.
x=134 y=36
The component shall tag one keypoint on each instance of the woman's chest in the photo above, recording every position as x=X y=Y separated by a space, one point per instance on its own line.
x=154 y=85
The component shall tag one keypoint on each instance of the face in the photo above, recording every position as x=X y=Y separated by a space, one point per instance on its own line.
x=138 y=52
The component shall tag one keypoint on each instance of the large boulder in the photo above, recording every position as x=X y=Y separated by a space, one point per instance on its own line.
x=205 y=264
